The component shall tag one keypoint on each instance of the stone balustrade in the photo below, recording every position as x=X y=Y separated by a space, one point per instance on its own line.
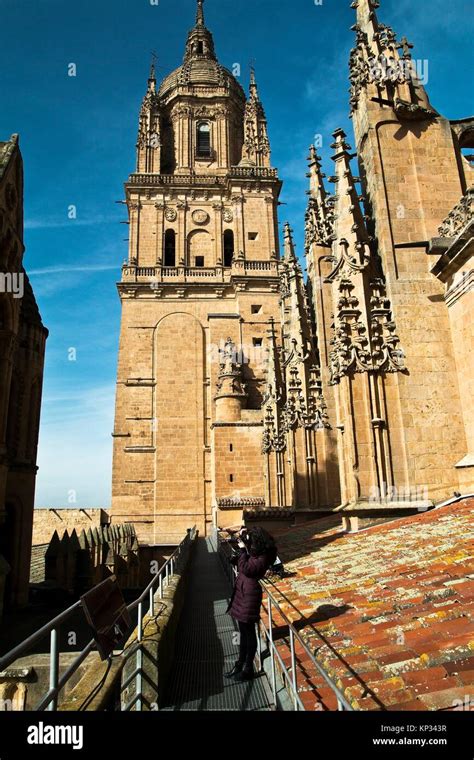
x=159 y=274
x=235 y=172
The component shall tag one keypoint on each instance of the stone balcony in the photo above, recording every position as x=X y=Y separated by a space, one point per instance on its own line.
x=240 y=268
x=455 y=244
x=459 y=217
x=185 y=180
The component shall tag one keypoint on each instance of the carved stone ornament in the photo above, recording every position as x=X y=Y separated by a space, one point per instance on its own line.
x=460 y=216
x=412 y=111
x=200 y=216
x=170 y=214
x=228 y=216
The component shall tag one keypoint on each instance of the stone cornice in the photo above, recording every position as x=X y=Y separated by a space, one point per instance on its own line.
x=236 y=424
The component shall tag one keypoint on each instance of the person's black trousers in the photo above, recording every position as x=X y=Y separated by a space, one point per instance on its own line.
x=248 y=644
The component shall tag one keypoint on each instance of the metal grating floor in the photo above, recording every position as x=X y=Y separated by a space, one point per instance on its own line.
x=206 y=646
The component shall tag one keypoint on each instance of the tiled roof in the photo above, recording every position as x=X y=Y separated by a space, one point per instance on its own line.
x=394 y=605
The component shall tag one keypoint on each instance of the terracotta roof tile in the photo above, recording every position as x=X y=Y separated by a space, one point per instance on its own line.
x=388 y=612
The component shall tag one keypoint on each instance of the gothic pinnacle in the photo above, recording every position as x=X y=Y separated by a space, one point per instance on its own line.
x=253 y=85
x=350 y=223
x=200 y=13
x=340 y=143
x=316 y=176
x=152 y=77
x=367 y=22
x=289 y=245
x=313 y=157
x=273 y=368
x=365 y=10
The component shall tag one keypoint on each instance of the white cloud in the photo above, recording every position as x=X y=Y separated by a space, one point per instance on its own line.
x=56 y=222
x=67 y=269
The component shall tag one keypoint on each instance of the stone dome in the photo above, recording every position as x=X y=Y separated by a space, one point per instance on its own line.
x=200 y=65
x=201 y=71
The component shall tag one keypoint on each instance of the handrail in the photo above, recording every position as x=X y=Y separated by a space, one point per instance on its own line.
x=13 y=654
x=50 y=699
x=166 y=570
x=291 y=680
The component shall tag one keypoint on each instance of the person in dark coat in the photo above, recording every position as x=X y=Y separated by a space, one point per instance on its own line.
x=257 y=554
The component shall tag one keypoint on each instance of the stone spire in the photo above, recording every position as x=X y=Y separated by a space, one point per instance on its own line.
x=319 y=214
x=289 y=254
x=253 y=86
x=316 y=176
x=200 y=42
x=292 y=298
x=274 y=438
x=364 y=332
x=152 y=77
x=304 y=403
x=351 y=232
x=366 y=15
x=149 y=128
x=383 y=68
x=256 y=150
x=200 y=13
x=296 y=342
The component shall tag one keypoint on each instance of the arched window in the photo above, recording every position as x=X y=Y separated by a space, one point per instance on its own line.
x=228 y=248
x=200 y=48
x=170 y=248
x=203 y=139
x=199 y=248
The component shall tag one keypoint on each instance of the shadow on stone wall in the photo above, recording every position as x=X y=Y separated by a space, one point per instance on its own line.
x=76 y=563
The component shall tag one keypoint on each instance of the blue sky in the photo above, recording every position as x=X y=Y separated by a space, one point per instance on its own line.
x=77 y=137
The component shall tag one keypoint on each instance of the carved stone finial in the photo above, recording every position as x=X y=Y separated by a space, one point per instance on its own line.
x=340 y=143
x=289 y=245
x=200 y=13
x=254 y=95
x=313 y=157
x=405 y=46
x=152 y=77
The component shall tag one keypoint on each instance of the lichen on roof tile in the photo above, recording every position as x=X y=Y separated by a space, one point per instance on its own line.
x=402 y=605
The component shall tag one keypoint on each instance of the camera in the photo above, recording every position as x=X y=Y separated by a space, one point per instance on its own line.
x=238 y=540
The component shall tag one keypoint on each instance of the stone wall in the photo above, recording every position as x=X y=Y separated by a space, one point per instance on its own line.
x=22 y=349
x=76 y=562
x=47 y=520
x=454 y=268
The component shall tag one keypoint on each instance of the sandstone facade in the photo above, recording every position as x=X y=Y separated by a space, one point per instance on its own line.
x=400 y=408
x=47 y=521
x=201 y=282
x=243 y=387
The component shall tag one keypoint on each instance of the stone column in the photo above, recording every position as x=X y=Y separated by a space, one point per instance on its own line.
x=218 y=232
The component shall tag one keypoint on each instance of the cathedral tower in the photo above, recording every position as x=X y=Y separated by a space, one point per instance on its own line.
x=197 y=292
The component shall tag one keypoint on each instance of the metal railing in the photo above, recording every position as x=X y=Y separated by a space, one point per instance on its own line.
x=289 y=674
x=49 y=701
x=157 y=584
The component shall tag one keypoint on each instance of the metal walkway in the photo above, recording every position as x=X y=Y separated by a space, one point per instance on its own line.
x=207 y=645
